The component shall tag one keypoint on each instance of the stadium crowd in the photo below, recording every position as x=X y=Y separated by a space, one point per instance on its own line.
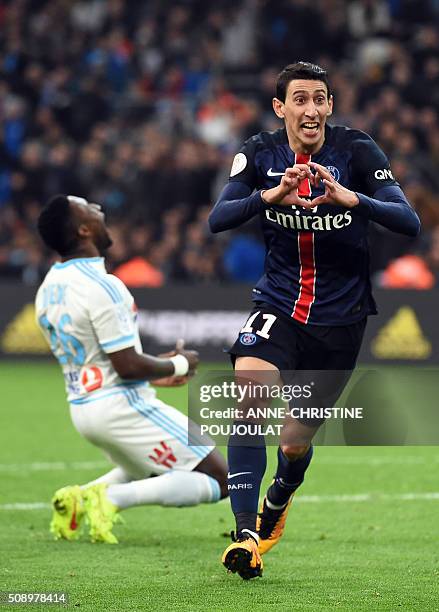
x=141 y=106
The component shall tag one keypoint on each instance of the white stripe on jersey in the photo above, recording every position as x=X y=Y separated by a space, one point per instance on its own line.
x=85 y=314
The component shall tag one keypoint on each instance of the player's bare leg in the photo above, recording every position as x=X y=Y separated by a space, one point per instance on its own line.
x=206 y=483
x=101 y=500
x=294 y=456
x=215 y=466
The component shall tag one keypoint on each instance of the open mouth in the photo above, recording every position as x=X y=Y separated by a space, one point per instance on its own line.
x=310 y=127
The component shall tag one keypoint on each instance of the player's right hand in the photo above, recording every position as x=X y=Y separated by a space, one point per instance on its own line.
x=191 y=356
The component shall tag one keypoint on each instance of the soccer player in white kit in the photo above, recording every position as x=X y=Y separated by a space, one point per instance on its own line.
x=89 y=319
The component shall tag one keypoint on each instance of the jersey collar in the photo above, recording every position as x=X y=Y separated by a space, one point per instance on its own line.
x=76 y=260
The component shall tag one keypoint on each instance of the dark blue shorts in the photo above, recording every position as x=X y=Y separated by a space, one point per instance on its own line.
x=289 y=345
x=329 y=352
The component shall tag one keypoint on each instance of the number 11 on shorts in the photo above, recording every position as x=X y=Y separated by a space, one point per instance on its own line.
x=264 y=332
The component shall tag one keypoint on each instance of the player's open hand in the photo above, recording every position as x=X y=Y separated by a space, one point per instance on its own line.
x=170 y=381
x=334 y=192
x=285 y=194
x=179 y=346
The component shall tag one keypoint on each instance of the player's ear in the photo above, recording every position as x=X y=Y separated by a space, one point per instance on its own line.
x=331 y=105
x=278 y=107
x=83 y=231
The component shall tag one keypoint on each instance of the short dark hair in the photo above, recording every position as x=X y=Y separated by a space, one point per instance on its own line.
x=300 y=70
x=56 y=225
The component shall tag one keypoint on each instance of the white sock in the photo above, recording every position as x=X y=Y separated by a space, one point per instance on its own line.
x=253 y=534
x=175 y=488
x=273 y=506
x=116 y=476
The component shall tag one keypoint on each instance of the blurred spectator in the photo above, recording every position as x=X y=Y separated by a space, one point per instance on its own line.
x=141 y=106
x=244 y=259
x=407 y=272
x=138 y=272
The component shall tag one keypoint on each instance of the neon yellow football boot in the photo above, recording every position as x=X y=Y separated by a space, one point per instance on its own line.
x=270 y=525
x=101 y=514
x=68 y=512
x=242 y=557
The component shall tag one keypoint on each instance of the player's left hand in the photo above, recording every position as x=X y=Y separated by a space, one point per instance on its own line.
x=334 y=192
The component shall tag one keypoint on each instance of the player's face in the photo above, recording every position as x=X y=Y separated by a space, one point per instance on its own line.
x=91 y=224
x=101 y=236
x=305 y=111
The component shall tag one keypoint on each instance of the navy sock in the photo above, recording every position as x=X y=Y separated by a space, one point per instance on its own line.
x=289 y=476
x=246 y=469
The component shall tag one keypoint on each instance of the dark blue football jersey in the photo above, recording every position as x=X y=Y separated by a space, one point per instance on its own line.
x=317 y=261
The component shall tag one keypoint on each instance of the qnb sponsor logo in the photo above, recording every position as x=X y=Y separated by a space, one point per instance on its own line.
x=383 y=174
x=240 y=486
x=307 y=222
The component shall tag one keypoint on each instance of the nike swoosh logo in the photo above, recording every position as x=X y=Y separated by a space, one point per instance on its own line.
x=237 y=474
x=271 y=173
x=73 y=523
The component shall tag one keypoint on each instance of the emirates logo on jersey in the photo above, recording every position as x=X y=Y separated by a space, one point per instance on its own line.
x=315 y=223
x=92 y=378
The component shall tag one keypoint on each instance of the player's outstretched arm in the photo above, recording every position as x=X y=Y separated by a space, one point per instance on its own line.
x=131 y=365
x=236 y=205
x=389 y=207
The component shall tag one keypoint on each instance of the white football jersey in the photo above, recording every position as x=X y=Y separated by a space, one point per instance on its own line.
x=86 y=314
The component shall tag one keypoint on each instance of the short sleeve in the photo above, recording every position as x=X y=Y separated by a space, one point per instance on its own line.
x=370 y=167
x=112 y=317
x=243 y=168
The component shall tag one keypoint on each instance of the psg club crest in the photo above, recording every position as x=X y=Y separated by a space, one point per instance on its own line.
x=248 y=339
x=335 y=172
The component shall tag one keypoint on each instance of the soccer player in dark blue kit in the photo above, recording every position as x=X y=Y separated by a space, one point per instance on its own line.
x=315 y=189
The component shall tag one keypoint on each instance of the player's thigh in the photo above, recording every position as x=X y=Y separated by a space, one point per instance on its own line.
x=344 y=344
x=329 y=347
x=166 y=443
x=267 y=335
x=143 y=435
x=256 y=379
x=328 y=357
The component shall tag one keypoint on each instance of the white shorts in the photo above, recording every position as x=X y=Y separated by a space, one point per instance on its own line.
x=139 y=433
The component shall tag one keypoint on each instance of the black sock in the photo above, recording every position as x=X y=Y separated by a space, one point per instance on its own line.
x=289 y=476
x=246 y=469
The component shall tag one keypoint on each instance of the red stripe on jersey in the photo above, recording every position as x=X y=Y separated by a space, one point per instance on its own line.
x=305 y=185
x=307 y=280
x=305 y=245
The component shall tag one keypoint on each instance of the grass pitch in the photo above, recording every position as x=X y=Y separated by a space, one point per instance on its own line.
x=362 y=534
